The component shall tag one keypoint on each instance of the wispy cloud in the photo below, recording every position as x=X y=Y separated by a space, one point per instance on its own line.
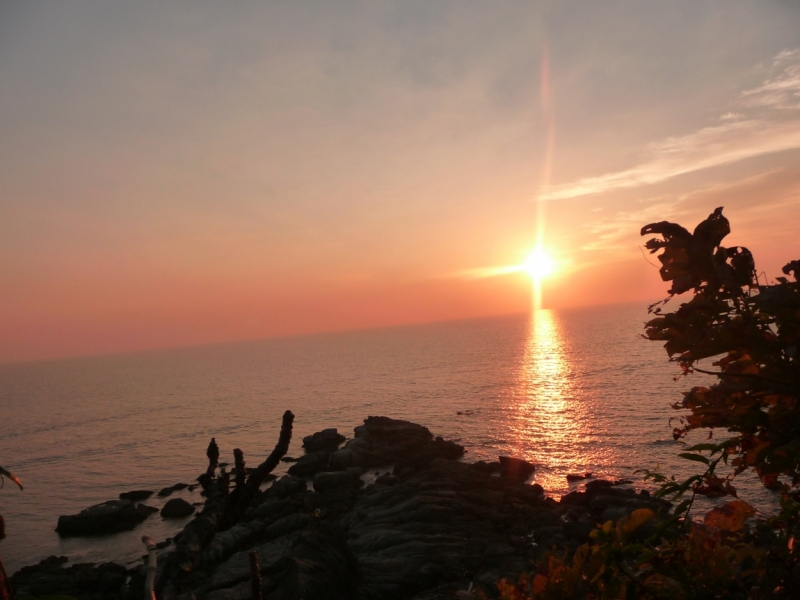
x=484 y=272
x=767 y=120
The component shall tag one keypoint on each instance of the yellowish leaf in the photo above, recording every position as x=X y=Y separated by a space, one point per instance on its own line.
x=730 y=516
x=638 y=517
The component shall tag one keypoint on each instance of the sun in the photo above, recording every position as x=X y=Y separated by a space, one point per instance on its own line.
x=538 y=265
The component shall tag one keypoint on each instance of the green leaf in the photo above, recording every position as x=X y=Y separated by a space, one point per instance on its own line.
x=682 y=507
x=695 y=457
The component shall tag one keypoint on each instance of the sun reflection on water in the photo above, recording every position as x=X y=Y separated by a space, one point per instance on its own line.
x=546 y=417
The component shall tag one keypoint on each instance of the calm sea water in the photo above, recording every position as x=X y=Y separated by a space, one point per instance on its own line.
x=572 y=391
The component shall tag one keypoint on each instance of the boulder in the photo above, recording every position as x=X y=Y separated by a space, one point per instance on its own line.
x=146 y=510
x=136 y=495
x=327 y=440
x=288 y=485
x=108 y=517
x=310 y=464
x=349 y=479
x=177 y=508
x=83 y=580
x=516 y=467
x=486 y=467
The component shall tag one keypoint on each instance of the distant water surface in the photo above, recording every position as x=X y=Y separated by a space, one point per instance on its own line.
x=572 y=391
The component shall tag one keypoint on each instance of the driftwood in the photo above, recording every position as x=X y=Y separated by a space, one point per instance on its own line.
x=221 y=511
x=152 y=566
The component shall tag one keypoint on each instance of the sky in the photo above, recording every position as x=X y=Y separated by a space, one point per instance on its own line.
x=181 y=173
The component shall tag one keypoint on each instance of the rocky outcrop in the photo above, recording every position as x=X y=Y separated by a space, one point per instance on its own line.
x=516 y=467
x=177 y=508
x=51 y=578
x=384 y=441
x=430 y=528
x=327 y=440
x=310 y=464
x=108 y=517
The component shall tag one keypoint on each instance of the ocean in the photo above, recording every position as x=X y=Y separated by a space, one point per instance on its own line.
x=572 y=391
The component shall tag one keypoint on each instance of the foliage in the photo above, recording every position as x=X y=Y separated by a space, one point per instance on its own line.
x=751 y=331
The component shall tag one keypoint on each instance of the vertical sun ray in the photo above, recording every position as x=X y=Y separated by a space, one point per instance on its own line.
x=547 y=168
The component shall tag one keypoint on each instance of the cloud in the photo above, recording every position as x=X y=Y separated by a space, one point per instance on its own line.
x=767 y=120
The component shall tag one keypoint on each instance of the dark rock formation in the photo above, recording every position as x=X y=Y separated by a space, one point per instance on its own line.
x=146 y=510
x=490 y=467
x=136 y=495
x=431 y=528
x=327 y=439
x=310 y=464
x=177 y=508
x=108 y=517
x=384 y=441
x=84 y=580
x=516 y=467
x=167 y=491
x=349 y=479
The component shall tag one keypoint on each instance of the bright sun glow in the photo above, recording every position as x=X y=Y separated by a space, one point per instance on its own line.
x=538 y=264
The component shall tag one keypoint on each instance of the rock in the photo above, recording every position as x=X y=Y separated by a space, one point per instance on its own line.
x=83 y=580
x=274 y=509
x=108 y=517
x=383 y=441
x=486 y=467
x=176 y=509
x=349 y=479
x=516 y=467
x=386 y=480
x=146 y=510
x=310 y=464
x=575 y=499
x=173 y=488
x=326 y=440
x=136 y=495
x=288 y=485
x=578 y=476
x=287 y=524
x=226 y=543
x=597 y=484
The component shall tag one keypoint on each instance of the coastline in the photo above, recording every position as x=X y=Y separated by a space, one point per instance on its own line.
x=425 y=526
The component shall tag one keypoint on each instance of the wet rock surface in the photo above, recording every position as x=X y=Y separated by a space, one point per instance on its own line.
x=52 y=577
x=177 y=508
x=432 y=527
x=167 y=491
x=136 y=495
x=108 y=517
x=327 y=439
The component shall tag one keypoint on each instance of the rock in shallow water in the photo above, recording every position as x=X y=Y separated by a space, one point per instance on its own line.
x=136 y=495
x=108 y=517
x=167 y=491
x=177 y=508
x=516 y=467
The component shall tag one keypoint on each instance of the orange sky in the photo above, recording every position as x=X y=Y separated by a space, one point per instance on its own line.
x=172 y=176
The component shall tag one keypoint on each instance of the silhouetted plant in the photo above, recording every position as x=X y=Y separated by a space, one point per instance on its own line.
x=752 y=333
x=6 y=593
